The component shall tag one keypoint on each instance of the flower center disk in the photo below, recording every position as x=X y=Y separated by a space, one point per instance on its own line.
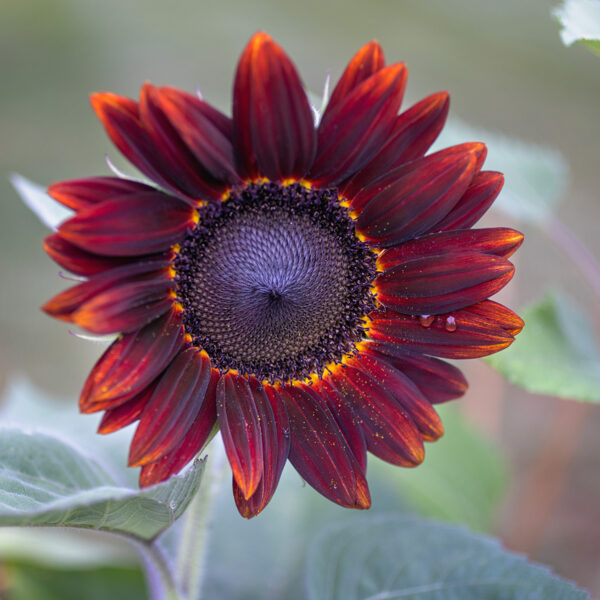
x=274 y=282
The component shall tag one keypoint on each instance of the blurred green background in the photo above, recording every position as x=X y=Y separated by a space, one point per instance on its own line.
x=506 y=70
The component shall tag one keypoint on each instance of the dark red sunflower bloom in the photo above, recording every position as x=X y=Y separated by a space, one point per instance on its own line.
x=292 y=285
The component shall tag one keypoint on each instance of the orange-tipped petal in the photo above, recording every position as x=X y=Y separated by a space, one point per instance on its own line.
x=366 y=62
x=274 y=133
x=172 y=408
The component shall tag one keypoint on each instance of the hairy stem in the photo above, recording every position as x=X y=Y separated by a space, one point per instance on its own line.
x=191 y=556
x=159 y=573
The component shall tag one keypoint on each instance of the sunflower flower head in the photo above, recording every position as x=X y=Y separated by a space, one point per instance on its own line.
x=292 y=285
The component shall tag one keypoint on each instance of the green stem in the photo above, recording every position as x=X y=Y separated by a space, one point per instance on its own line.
x=191 y=556
x=159 y=574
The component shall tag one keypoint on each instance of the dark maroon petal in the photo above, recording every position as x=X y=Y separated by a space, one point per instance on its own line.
x=352 y=131
x=442 y=283
x=347 y=419
x=438 y=381
x=172 y=409
x=82 y=193
x=499 y=241
x=499 y=314
x=239 y=416
x=436 y=162
x=193 y=441
x=414 y=202
x=413 y=133
x=124 y=414
x=135 y=225
x=479 y=196
x=79 y=261
x=127 y=306
x=205 y=131
x=275 y=431
x=174 y=153
x=132 y=362
x=122 y=121
x=272 y=119
x=389 y=431
x=404 y=391
x=64 y=305
x=366 y=62
x=319 y=451
x=461 y=334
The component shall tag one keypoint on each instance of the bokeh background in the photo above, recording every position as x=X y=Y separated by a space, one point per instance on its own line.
x=506 y=70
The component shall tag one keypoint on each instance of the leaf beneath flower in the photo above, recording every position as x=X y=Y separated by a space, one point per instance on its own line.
x=555 y=354
x=46 y=481
x=389 y=558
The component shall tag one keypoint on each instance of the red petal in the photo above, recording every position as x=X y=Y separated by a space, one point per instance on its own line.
x=366 y=62
x=83 y=193
x=347 y=419
x=439 y=284
x=404 y=391
x=134 y=225
x=352 y=131
x=205 y=131
x=499 y=314
x=172 y=409
x=479 y=196
x=124 y=414
x=275 y=430
x=128 y=306
x=273 y=122
x=63 y=305
x=413 y=203
x=390 y=432
x=121 y=119
x=131 y=363
x=499 y=241
x=460 y=335
x=197 y=436
x=437 y=161
x=437 y=380
x=239 y=416
x=319 y=451
x=79 y=261
x=178 y=159
x=413 y=133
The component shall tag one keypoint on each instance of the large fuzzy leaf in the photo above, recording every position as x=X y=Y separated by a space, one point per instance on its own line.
x=394 y=558
x=46 y=481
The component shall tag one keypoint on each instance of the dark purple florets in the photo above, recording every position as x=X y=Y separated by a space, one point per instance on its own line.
x=274 y=281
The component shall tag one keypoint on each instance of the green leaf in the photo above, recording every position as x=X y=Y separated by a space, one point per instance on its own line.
x=26 y=406
x=555 y=354
x=34 y=582
x=390 y=558
x=48 y=210
x=580 y=20
x=45 y=481
x=535 y=177
x=462 y=478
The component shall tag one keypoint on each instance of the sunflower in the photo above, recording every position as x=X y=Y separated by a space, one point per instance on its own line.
x=289 y=283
